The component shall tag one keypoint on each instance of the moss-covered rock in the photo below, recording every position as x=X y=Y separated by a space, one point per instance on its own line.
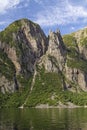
x=60 y=66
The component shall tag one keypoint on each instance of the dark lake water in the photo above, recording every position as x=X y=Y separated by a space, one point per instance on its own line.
x=43 y=119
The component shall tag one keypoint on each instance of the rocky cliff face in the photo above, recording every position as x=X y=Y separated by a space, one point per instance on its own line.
x=55 y=57
x=23 y=42
x=76 y=63
x=24 y=46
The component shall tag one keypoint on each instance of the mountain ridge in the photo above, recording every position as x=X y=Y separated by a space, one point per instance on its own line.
x=60 y=64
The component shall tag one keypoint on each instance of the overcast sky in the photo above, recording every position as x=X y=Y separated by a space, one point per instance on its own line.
x=66 y=15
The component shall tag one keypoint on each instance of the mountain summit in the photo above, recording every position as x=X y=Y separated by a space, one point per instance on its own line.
x=35 y=69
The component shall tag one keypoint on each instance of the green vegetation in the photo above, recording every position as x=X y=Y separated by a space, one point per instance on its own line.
x=16 y=99
x=69 y=41
x=74 y=58
x=48 y=89
x=83 y=42
x=75 y=98
x=78 y=63
x=7 y=68
x=7 y=34
x=12 y=100
x=73 y=53
x=46 y=85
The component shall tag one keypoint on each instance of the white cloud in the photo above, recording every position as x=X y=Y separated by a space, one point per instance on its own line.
x=3 y=22
x=38 y=1
x=11 y=4
x=7 y=4
x=61 y=13
x=72 y=28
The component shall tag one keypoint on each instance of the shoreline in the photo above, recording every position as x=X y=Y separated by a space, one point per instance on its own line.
x=69 y=105
x=46 y=106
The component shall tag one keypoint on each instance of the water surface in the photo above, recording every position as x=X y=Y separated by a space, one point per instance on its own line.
x=43 y=119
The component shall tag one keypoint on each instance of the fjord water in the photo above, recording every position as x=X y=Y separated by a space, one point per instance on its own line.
x=43 y=119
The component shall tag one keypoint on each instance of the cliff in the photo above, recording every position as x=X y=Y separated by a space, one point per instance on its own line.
x=22 y=43
x=76 y=64
x=35 y=69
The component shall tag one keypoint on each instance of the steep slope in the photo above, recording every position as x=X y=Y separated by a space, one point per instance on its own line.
x=76 y=65
x=49 y=81
x=37 y=70
x=22 y=42
x=55 y=57
x=56 y=81
x=77 y=40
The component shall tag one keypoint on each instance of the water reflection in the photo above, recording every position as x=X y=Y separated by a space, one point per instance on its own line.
x=43 y=119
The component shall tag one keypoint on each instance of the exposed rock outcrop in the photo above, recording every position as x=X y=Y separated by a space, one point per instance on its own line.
x=76 y=79
x=6 y=85
x=23 y=44
x=55 y=57
x=76 y=63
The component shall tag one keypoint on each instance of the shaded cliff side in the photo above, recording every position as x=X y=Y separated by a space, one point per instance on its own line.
x=22 y=43
x=35 y=69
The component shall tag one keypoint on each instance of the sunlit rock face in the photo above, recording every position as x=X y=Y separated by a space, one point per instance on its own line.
x=55 y=57
x=24 y=46
x=23 y=42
